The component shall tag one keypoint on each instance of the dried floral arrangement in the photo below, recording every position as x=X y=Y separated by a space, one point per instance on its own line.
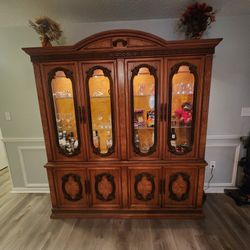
x=196 y=19
x=48 y=30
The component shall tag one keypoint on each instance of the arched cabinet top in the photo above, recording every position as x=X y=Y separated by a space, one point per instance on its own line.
x=120 y=44
x=116 y=39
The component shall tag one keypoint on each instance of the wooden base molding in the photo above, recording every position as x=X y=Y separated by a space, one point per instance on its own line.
x=170 y=214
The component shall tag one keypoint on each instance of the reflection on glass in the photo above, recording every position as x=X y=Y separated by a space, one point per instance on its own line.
x=65 y=113
x=182 y=110
x=100 y=107
x=144 y=110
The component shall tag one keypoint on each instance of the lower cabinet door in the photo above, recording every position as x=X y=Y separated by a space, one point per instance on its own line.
x=143 y=187
x=105 y=187
x=179 y=186
x=70 y=185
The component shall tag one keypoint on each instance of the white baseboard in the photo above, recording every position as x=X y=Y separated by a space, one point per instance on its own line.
x=211 y=189
x=30 y=190
x=218 y=187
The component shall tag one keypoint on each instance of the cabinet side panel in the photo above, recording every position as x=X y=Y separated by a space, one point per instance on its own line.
x=42 y=108
x=52 y=187
x=205 y=104
x=200 y=187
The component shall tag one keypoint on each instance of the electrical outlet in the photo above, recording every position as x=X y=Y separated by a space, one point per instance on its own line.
x=212 y=164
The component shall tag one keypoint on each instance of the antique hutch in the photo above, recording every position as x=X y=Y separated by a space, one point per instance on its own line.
x=124 y=116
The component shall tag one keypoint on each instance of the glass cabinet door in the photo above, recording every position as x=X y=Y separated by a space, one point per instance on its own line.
x=182 y=96
x=100 y=95
x=144 y=103
x=64 y=109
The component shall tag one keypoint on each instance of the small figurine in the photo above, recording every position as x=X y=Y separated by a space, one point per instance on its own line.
x=139 y=118
x=185 y=113
x=150 y=118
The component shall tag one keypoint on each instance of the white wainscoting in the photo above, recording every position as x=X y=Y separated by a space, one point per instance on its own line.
x=224 y=141
x=24 y=149
x=29 y=186
x=220 y=141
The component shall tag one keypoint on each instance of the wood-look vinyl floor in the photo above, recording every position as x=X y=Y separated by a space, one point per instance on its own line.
x=25 y=224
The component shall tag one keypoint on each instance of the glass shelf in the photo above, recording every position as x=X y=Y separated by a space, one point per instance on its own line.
x=143 y=95
x=149 y=128
x=181 y=127
x=100 y=97
x=183 y=94
x=102 y=129
x=66 y=97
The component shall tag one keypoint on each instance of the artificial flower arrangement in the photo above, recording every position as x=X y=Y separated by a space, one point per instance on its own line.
x=196 y=19
x=48 y=30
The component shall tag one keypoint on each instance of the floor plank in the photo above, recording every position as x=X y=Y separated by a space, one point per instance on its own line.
x=26 y=224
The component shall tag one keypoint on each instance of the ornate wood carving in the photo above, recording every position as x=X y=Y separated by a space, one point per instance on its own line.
x=121 y=41
x=143 y=192
x=174 y=70
x=72 y=187
x=105 y=187
x=106 y=73
x=152 y=71
x=179 y=186
x=144 y=187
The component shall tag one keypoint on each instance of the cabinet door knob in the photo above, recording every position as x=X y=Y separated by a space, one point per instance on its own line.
x=161 y=112
x=83 y=114
x=86 y=186
x=160 y=186
x=80 y=114
x=163 y=187
x=89 y=187
x=165 y=112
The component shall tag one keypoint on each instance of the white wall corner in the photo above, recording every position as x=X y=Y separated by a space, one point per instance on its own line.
x=245 y=111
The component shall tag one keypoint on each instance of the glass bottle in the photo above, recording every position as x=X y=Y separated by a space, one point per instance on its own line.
x=96 y=139
x=137 y=140
x=173 y=138
x=109 y=140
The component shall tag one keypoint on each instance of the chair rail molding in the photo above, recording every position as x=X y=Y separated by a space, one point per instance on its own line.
x=23 y=139
x=41 y=139
x=223 y=141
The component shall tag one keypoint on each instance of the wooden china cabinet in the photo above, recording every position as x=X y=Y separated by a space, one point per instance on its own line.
x=124 y=116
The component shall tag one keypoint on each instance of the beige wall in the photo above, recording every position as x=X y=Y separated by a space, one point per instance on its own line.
x=23 y=134
x=3 y=156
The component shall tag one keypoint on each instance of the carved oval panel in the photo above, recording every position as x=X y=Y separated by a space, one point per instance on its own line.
x=72 y=187
x=179 y=187
x=144 y=186
x=105 y=187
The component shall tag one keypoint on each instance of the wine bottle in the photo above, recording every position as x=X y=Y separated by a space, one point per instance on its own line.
x=137 y=140
x=96 y=139
x=173 y=138
x=109 y=142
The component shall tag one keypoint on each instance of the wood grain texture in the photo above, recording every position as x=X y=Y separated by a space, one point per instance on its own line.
x=121 y=55
x=25 y=224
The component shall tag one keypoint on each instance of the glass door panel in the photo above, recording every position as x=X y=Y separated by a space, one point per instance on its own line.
x=100 y=91
x=181 y=122
x=144 y=115
x=64 y=112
